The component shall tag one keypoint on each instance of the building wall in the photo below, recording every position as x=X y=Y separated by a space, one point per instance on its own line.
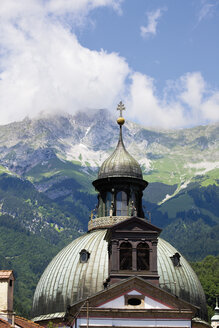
x=3 y=295
x=6 y=297
x=131 y=322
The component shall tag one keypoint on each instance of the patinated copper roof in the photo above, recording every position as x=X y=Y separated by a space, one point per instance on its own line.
x=66 y=280
x=120 y=163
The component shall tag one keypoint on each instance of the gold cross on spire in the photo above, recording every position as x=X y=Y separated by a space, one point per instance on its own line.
x=121 y=107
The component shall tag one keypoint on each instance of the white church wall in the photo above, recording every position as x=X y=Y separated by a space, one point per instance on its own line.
x=118 y=302
x=152 y=304
x=129 y=322
x=146 y=302
x=134 y=292
x=3 y=295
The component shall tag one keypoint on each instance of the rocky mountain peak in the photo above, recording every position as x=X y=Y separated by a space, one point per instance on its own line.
x=89 y=137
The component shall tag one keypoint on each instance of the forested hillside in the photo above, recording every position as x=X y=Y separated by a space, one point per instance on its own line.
x=192 y=215
x=28 y=255
x=207 y=271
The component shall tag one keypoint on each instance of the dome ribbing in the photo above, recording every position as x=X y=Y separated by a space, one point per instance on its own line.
x=120 y=163
x=66 y=280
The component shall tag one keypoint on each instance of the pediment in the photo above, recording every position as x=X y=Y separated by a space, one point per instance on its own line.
x=136 y=224
x=151 y=296
x=133 y=299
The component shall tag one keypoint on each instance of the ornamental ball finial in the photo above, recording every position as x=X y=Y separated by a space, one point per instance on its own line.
x=121 y=119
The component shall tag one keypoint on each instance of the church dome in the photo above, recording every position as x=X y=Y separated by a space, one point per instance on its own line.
x=68 y=278
x=82 y=268
x=120 y=164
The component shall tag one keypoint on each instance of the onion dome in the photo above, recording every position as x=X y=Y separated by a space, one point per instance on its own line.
x=80 y=269
x=120 y=163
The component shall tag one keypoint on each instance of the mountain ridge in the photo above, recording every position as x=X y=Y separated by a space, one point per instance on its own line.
x=82 y=138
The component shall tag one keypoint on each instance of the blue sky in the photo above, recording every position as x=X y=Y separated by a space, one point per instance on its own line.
x=183 y=41
x=159 y=57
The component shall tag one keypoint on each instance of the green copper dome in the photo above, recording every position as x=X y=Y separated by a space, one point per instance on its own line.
x=66 y=280
x=120 y=163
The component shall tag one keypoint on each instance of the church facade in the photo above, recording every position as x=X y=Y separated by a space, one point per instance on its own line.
x=120 y=273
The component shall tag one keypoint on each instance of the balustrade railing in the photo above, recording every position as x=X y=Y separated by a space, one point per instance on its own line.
x=105 y=221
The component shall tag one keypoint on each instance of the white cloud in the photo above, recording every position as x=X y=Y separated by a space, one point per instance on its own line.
x=210 y=108
x=207 y=10
x=14 y=8
x=66 y=6
x=186 y=102
x=151 y=28
x=44 y=68
x=202 y=102
x=145 y=106
x=193 y=87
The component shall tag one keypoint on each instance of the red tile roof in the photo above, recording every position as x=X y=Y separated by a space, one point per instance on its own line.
x=20 y=322
x=25 y=323
x=5 y=274
x=4 y=324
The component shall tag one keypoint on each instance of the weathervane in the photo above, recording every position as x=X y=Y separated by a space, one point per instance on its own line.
x=121 y=107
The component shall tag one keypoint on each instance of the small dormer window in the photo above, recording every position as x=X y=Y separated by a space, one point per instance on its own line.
x=84 y=256
x=176 y=259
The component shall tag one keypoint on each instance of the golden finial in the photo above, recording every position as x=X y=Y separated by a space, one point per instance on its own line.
x=121 y=119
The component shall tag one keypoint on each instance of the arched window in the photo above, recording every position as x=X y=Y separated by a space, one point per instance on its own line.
x=121 y=203
x=142 y=256
x=125 y=256
x=108 y=203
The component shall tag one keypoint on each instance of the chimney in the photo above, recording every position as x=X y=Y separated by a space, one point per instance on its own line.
x=6 y=294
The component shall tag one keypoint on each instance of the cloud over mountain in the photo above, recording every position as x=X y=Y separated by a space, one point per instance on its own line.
x=45 y=68
x=187 y=101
